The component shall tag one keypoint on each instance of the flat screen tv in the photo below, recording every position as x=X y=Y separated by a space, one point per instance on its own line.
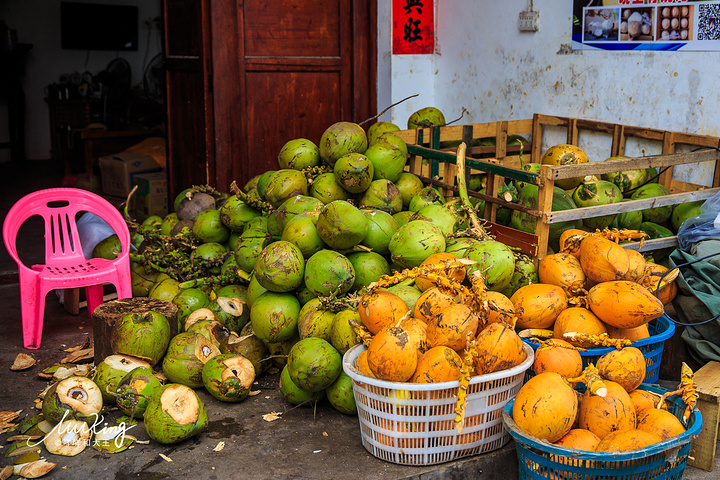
x=92 y=26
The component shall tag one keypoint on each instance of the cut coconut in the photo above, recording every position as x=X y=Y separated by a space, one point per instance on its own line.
x=111 y=370
x=33 y=469
x=232 y=306
x=68 y=438
x=197 y=315
x=175 y=413
x=205 y=349
x=76 y=398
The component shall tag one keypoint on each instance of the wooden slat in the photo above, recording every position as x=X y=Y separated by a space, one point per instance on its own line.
x=707 y=384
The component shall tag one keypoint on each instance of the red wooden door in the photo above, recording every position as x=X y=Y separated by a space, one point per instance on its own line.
x=299 y=67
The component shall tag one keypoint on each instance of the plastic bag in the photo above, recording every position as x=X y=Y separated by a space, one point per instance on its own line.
x=701 y=227
x=92 y=230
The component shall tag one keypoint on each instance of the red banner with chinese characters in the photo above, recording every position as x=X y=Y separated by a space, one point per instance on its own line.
x=413 y=27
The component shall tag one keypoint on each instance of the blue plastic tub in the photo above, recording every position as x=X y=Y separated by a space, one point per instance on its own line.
x=538 y=459
x=660 y=330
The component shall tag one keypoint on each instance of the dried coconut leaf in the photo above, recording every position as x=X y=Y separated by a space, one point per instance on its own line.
x=23 y=361
x=28 y=457
x=7 y=416
x=16 y=438
x=29 y=422
x=79 y=355
x=82 y=346
x=21 y=448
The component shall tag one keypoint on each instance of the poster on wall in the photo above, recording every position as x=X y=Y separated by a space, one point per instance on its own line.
x=689 y=25
x=413 y=27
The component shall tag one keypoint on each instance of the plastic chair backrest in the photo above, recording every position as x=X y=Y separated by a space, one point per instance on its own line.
x=59 y=209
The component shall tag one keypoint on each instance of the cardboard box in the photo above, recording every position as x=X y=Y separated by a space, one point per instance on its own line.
x=151 y=197
x=117 y=171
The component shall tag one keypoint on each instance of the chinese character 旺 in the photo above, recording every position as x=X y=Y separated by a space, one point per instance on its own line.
x=412 y=30
x=410 y=4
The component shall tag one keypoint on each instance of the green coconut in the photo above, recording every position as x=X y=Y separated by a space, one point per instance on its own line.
x=525 y=273
x=165 y=288
x=143 y=335
x=329 y=272
x=111 y=371
x=296 y=205
x=274 y=316
x=593 y=193
x=213 y=330
x=299 y=154
x=341 y=225
x=327 y=189
x=74 y=398
x=278 y=351
x=657 y=215
x=494 y=261
x=395 y=141
x=314 y=364
x=254 y=290
x=526 y=222
x=280 y=267
x=232 y=312
x=208 y=227
x=381 y=227
x=409 y=185
x=174 y=413
x=143 y=279
x=108 y=248
x=340 y=395
x=302 y=232
x=189 y=300
x=440 y=215
x=408 y=293
x=315 y=320
x=388 y=161
x=368 y=268
x=354 y=172
x=378 y=128
x=252 y=241
x=683 y=211
x=528 y=167
x=235 y=214
x=340 y=139
x=382 y=195
x=211 y=255
x=283 y=184
x=627 y=180
x=403 y=217
x=426 y=117
x=295 y=395
x=426 y=196
x=459 y=246
x=135 y=390
x=342 y=334
x=228 y=377
x=414 y=242
x=185 y=357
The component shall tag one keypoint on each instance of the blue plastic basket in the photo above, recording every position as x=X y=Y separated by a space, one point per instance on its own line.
x=660 y=330
x=666 y=460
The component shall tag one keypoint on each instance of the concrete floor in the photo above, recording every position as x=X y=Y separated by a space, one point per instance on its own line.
x=320 y=444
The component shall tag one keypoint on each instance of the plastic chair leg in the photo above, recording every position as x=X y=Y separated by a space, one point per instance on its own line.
x=94 y=294
x=33 y=313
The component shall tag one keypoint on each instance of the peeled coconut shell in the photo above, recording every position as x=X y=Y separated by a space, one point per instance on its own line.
x=175 y=413
x=77 y=398
x=68 y=438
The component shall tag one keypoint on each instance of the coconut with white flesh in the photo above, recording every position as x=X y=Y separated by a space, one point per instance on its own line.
x=228 y=377
x=196 y=316
x=33 y=469
x=174 y=413
x=110 y=371
x=186 y=356
x=75 y=398
x=135 y=390
x=232 y=312
x=68 y=438
x=213 y=330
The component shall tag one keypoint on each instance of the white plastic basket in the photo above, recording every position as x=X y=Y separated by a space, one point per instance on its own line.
x=412 y=423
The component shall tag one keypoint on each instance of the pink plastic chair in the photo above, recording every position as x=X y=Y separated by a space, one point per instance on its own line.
x=65 y=265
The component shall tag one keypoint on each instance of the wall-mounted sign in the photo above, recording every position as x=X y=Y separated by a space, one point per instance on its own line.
x=413 y=30
x=646 y=25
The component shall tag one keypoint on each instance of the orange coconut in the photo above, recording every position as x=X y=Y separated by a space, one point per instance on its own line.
x=623 y=441
x=500 y=308
x=603 y=260
x=643 y=400
x=392 y=356
x=537 y=305
x=439 y=364
x=660 y=422
x=361 y=363
x=636 y=266
x=651 y=277
x=456 y=274
x=561 y=269
x=624 y=304
x=634 y=334
x=578 y=320
x=625 y=367
x=570 y=241
x=558 y=356
x=430 y=302
x=545 y=406
x=611 y=413
x=579 y=439
x=498 y=347
x=379 y=309
x=451 y=327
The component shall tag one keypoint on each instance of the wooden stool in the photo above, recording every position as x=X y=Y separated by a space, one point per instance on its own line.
x=707 y=383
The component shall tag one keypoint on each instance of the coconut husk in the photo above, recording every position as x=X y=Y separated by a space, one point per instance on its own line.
x=23 y=361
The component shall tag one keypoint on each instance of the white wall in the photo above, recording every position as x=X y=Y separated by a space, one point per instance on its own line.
x=486 y=65
x=38 y=22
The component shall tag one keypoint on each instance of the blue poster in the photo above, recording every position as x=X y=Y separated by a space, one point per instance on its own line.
x=646 y=25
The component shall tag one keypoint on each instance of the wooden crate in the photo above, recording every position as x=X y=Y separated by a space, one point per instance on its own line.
x=707 y=382
x=437 y=166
